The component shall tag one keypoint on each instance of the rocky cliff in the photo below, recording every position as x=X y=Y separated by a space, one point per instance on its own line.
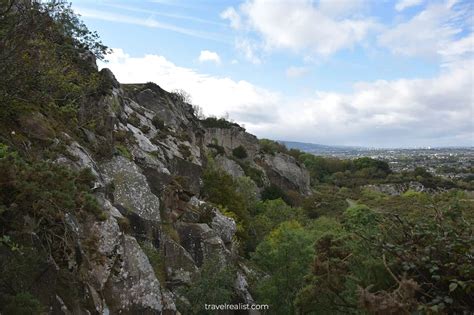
x=147 y=152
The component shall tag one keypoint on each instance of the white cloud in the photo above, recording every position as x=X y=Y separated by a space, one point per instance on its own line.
x=296 y=72
x=415 y=112
x=405 y=4
x=341 y=8
x=216 y=95
x=206 y=56
x=233 y=17
x=302 y=26
x=249 y=49
x=404 y=112
x=430 y=33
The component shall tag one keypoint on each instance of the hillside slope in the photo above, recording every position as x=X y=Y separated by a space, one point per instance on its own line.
x=147 y=154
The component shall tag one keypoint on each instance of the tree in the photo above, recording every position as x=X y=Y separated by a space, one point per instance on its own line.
x=284 y=255
x=43 y=49
x=239 y=152
x=214 y=285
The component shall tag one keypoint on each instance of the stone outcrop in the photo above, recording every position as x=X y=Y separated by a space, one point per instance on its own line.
x=399 y=189
x=147 y=156
x=131 y=191
x=285 y=172
x=229 y=166
x=231 y=138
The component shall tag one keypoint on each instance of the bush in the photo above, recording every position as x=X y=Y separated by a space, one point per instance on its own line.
x=219 y=149
x=156 y=260
x=214 y=285
x=239 y=152
x=145 y=129
x=185 y=151
x=271 y=147
x=123 y=151
x=22 y=304
x=221 y=189
x=254 y=173
x=158 y=122
x=134 y=120
x=285 y=255
x=272 y=192
x=213 y=122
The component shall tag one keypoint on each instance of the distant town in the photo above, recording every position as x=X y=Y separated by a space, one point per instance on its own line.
x=453 y=163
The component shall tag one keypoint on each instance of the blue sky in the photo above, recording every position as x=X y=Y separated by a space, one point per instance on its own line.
x=353 y=72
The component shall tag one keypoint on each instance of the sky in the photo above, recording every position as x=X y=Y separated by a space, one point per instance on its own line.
x=337 y=72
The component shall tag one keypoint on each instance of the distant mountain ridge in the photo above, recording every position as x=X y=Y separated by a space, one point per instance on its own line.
x=319 y=148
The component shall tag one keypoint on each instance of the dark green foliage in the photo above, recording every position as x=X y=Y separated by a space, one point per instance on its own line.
x=271 y=147
x=285 y=255
x=327 y=200
x=22 y=304
x=254 y=173
x=239 y=152
x=414 y=258
x=272 y=192
x=185 y=151
x=214 y=285
x=222 y=190
x=367 y=162
x=43 y=61
x=43 y=192
x=219 y=149
x=432 y=250
x=145 y=129
x=156 y=260
x=37 y=201
x=158 y=122
x=123 y=151
x=267 y=215
x=134 y=120
x=213 y=122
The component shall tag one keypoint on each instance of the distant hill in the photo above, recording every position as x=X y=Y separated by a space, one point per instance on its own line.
x=319 y=148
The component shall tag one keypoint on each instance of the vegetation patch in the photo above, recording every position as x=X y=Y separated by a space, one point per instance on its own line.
x=239 y=152
x=214 y=122
x=123 y=151
x=156 y=259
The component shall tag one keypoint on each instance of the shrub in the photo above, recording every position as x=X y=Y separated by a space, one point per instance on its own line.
x=157 y=261
x=22 y=304
x=214 y=285
x=123 y=151
x=43 y=197
x=272 y=192
x=145 y=129
x=219 y=149
x=255 y=174
x=271 y=147
x=158 y=122
x=134 y=120
x=213 y=122
x=239 y=152
x=185 y=151
x=285 y=255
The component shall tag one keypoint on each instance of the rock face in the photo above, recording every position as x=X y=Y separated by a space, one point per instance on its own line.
x=148 y=156
x=131 y=190
x=399 y=189
x=229 y=166
x=285 y=172
x=132 y=287
x=231 y=138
